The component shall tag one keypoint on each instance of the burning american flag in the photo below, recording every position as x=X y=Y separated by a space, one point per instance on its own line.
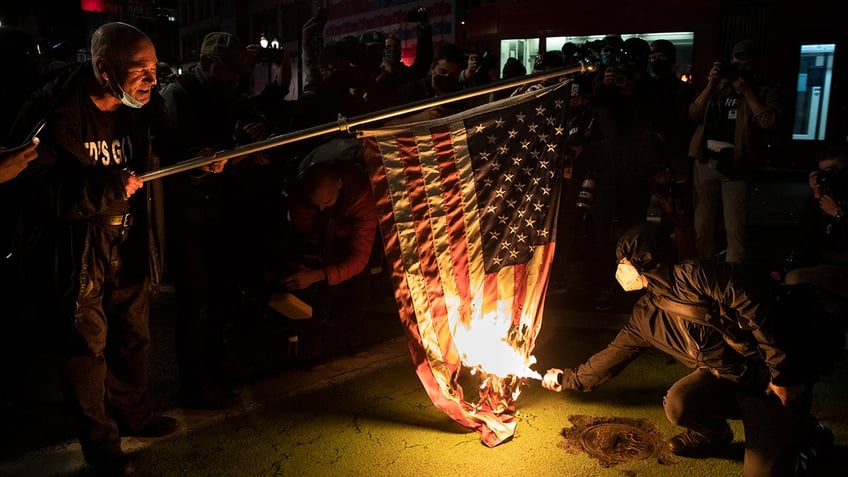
x=468 y=207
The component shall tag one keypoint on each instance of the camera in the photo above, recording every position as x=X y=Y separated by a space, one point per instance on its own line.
x=418 y=16
x=732 y=71
x=833 y=181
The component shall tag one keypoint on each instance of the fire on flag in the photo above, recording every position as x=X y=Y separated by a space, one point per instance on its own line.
x=468 y=207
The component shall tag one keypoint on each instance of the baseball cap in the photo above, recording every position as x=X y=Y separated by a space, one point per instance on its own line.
x=228 y=49
x=664 y=46
x=744 y=47
x=372 y=37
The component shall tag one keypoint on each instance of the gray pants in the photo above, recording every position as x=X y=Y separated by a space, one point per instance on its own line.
x=719 y=197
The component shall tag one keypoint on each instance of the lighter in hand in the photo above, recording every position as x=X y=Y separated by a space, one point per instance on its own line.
x=553 y=380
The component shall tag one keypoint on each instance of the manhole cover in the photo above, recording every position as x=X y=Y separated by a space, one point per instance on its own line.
x=613 y=440
x=618 y=442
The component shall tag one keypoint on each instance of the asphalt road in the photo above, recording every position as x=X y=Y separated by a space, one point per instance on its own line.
x=370 y=415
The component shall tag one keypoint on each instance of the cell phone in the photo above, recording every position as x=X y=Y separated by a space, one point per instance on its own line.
x=35 y=132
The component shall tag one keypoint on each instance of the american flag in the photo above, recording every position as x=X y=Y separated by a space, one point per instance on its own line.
x=468 y=206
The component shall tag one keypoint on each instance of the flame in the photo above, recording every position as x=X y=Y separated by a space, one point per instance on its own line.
x=483 y=344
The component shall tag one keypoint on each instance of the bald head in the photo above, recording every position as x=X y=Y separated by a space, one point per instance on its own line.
x=124 y=62
x=115 y=41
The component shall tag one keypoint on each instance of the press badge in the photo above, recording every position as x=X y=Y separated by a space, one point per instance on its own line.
x=731 y=115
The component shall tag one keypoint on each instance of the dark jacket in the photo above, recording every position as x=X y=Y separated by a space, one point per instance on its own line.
x=698 y=313
x=750 y=137
x=61 y=192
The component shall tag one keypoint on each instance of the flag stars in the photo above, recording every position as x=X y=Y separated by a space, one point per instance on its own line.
x=530 y=222
x=551 y=147
x=497 y=260
x=558 y=103
x=508 y=177
x=550 y=120
x=536 y=181
x=504 y=245
x=546 y=191
x=532 y=127
x=491 y=209
x=501 y=192
x=528 y=170
x=503 y=149
x=558 y=130
x=516 y=160
x=479 y=128
x=521 y=238
x=511 y=203
x=492 y=138
x=525 y=144
x=484 y=155
x=495 y=234
x=513 y=253
x=513 y=229
x=543 y=137
x=538 y=206
x=543 y=233
x=520 y=117
x=499 y=123
x=496 y=166
x=543 y=164
x=487 y=182
x=540 y=110
x=502 y=219
x=535 y=154
x=512 y=133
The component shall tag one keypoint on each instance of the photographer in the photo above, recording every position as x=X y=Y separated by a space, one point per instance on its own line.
x=394 y=74
x=733 y=113
x=822 y=258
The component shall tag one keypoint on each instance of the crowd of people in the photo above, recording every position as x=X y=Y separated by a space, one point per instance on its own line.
x=86 y=241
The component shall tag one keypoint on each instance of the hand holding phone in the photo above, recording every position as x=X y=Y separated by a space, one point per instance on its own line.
x=35 y=132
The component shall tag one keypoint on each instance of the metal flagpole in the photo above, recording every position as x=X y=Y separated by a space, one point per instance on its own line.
x=344 y=125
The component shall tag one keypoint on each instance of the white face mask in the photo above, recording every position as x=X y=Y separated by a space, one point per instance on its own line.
x=119 y=93
x=128 y=100
x=628 y=277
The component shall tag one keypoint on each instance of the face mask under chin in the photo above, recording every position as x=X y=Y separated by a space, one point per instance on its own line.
x=628 y=277
x=122 y=95
x=129 y=101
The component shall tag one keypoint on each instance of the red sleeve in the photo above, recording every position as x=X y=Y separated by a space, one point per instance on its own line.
x=362 y=208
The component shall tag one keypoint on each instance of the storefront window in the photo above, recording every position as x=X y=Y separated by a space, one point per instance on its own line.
x=524 y=50
x=812 y=94
x=683 y=41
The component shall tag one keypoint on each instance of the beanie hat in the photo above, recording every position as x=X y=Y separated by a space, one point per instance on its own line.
x=228 y=49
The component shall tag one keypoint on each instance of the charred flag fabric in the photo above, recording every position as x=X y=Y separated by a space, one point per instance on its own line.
x=468 y=206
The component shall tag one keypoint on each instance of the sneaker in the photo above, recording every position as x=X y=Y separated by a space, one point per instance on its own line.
x=115 y=464
x=156 y=425
x=694 y=444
